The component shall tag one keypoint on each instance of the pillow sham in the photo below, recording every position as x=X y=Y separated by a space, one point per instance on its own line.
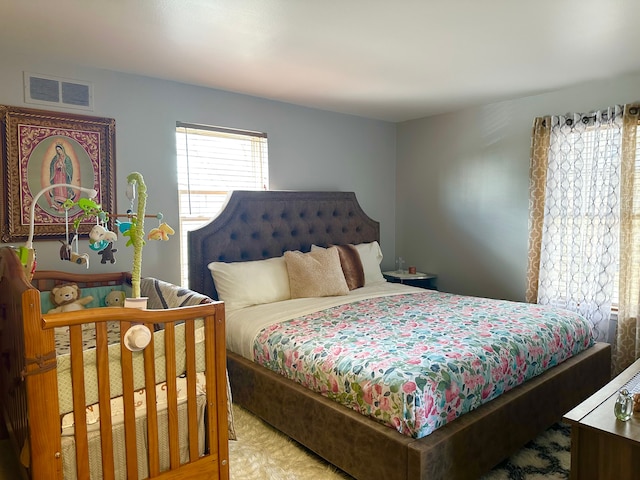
x=242 y=284
x=315 y=274
x=371 y=257
x=351 y=265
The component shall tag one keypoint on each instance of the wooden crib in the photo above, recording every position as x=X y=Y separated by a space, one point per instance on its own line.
x=29 y=383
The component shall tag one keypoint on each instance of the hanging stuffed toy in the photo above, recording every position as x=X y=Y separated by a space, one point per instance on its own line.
x=100 y=237
x=161 y=233
x=65 y=249
x=107 y=253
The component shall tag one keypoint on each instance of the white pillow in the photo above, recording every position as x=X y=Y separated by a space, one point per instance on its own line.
x=242 y=284
x=371 y=257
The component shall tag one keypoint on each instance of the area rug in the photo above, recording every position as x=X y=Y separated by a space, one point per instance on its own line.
x=546 y=457
x=263 y=453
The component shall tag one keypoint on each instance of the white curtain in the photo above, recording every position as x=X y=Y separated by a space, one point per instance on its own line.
x=579 y=250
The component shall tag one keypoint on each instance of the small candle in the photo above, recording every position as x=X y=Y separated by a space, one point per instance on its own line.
x=412 y=269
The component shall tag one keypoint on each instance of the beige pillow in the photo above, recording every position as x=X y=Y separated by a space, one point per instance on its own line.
x=351 y=265
x=242 y=284
x=315 y=274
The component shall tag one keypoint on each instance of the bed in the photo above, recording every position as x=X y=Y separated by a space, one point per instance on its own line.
x=75 y=402
x=255 y=226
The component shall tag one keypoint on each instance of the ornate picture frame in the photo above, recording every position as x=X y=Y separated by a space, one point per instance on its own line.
x=41 y=148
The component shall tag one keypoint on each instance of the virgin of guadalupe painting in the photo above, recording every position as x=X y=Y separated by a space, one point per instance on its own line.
x=60 y=172
x=59 y=160
x=44 y=149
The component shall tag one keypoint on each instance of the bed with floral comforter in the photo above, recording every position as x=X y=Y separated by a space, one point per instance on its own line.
x=417 y=361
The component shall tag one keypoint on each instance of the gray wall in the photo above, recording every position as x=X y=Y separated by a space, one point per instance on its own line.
x=308 y=150
x=463 y=187
x=452 y=198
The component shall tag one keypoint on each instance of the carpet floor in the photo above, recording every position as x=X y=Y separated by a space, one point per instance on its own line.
x=262 y=453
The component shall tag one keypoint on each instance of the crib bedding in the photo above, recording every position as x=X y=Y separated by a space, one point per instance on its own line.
x=140 y=408
x=65 y=389
x=95 y=459
x=117 y=422
x=158 y=292
x=414 y=359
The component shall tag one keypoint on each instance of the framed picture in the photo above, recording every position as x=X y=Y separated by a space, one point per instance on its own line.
x=41 y=149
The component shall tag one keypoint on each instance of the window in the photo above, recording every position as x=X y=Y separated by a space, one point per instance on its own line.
x=578 y=177
x=584 y=164
x=212 y=162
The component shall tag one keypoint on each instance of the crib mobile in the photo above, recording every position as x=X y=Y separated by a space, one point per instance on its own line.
x=101 y=239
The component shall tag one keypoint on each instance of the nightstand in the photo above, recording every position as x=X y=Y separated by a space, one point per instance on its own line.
x=418 y=279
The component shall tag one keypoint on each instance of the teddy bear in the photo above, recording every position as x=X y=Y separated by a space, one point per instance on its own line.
x=115 y=298
x=66 y=298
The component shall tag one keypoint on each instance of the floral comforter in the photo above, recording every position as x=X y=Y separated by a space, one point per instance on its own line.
x=417 y=361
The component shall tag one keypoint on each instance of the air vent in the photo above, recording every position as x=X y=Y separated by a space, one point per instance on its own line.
x=48 y=90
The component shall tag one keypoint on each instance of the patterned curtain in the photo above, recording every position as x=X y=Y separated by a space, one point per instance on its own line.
x=575 y=213
x=627 y=348
x=538 y=180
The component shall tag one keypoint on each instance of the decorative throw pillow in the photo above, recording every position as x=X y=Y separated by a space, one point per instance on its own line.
x=351 y=265
x=242 y=284
x=315 y=274
x=371 y=257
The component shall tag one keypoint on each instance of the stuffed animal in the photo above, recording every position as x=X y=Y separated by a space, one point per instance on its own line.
x=107 y=253
x=115 y=298
x=66 y=298
x=98 y=233
x=99 y=238
x=65 y=249
x=161 y=233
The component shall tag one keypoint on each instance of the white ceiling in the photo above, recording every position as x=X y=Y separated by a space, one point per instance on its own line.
x=392 y=60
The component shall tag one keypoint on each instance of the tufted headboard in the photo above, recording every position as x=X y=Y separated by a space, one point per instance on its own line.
x=255 y=225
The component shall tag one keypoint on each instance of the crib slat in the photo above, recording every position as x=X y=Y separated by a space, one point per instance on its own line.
x=152 y=413
x=190 y=342
x=210 y=373
x=172 y=395
x=104 y=396
x=129 y=405
x=220 y=367
x=79 y=401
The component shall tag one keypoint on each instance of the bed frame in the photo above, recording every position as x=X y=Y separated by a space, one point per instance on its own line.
x=259 y=225
x=29 y=388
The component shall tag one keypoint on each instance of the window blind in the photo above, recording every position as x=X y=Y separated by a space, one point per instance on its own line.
x=212 y=162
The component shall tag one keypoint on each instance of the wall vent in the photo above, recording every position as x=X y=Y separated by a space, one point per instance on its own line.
x=48 y=90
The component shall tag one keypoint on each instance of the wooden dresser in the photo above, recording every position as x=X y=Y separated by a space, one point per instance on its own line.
x=603 y=447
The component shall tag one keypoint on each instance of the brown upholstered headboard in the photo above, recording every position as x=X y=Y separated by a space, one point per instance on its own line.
x=258 y=225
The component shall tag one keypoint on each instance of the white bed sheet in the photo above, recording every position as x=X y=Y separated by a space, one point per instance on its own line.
x=243 y=325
